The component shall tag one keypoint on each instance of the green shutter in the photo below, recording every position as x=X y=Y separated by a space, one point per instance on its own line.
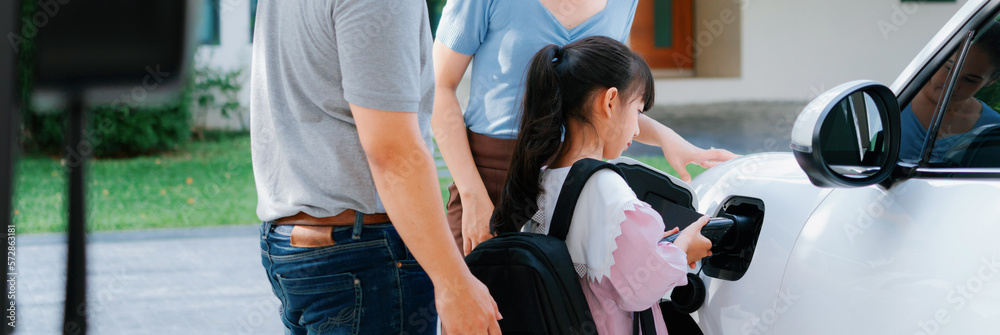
x=208 y=30
x=663 y=23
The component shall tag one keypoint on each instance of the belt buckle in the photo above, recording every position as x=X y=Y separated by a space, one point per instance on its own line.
x=311 y=236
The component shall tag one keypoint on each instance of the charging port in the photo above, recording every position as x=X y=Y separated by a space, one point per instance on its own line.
x=731 y=259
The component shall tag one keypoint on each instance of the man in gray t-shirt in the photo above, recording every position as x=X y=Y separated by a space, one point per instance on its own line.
x=341 y=98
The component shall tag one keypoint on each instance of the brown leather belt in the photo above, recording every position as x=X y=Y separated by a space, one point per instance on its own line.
x=345 y=218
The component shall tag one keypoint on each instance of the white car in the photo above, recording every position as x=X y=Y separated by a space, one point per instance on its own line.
x=843 y=237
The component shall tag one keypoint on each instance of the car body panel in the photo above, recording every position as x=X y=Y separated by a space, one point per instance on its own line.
x=893 y=261
x=856 y=260
x=733 y=307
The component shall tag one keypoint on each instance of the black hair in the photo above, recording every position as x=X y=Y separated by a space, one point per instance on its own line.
x=561 y=80
x=989 y=41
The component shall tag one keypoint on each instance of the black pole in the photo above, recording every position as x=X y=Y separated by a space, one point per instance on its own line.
x=75 y=317
x=10 y=11
x=945 y=99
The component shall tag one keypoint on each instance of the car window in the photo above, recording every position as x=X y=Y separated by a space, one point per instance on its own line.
x=969 y=131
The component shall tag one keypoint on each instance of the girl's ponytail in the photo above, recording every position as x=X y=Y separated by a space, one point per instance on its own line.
x=560 y=80
x=538 y=140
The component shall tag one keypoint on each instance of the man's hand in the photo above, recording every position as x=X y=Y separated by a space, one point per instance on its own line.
x=466 y=307
x=476 y=213
x=405 y=177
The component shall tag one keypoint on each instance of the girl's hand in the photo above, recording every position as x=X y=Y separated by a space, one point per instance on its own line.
x=693 y=243
x=670 y=232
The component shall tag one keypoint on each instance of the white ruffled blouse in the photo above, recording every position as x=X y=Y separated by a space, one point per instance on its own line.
x=614 y=243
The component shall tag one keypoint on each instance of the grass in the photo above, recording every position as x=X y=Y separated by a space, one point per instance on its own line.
x=205 y=183
x=661 y=163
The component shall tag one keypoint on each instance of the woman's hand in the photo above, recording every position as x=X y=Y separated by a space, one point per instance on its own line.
x=476 y=213
x=682 y=153
x=693 y=243
x=678 y=151
x=453 y=141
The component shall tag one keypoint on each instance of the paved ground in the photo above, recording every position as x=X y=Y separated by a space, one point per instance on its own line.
x=741 y=127
x=210 y=280
x=177 y=281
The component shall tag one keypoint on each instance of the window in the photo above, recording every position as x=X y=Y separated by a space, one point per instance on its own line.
x=253 y=17
x=208 y=30
x=967 y=134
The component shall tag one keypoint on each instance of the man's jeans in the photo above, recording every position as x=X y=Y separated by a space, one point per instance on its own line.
x=366 y=283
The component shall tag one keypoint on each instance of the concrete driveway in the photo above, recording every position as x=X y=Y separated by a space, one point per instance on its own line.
x=171 y=281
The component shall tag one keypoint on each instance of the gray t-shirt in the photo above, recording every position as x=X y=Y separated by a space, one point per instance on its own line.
x=310 y=58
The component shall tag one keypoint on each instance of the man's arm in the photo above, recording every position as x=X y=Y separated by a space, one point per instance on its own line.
x=406 y=180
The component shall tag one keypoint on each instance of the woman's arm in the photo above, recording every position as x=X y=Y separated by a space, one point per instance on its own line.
x=678 y=151
x=450 y=132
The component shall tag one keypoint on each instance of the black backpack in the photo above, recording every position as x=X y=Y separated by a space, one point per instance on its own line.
x=531 y=276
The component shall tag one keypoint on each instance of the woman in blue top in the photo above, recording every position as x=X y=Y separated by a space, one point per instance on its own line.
x=503 y=35
x=964 y=112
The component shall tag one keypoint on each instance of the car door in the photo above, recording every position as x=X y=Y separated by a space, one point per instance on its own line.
x=918 y=254
x=919 y=258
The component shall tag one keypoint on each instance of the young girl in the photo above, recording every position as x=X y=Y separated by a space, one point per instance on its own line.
x=502 y=35
x=590 y=94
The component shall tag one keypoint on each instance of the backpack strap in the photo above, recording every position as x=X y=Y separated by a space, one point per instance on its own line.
x=643 y=321
x=563 y=215
x=581 y=171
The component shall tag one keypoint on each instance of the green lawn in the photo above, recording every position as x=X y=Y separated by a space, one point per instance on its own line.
x=206 y=183
x=661 y=163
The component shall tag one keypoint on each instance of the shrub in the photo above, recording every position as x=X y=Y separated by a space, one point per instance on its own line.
x=217 y=89
x=25 y=66
x=434 y=7
x=114 y=131
x=990 y=95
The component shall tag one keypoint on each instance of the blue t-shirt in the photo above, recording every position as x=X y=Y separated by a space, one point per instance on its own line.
x=912 y=134
x=504 y=35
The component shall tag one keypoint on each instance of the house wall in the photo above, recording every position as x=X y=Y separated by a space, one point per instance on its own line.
x=716 y=42
x=233 y=52
x=792 y=50
x=771 y=50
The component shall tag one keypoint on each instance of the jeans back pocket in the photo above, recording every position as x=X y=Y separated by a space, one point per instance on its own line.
x=329 y=304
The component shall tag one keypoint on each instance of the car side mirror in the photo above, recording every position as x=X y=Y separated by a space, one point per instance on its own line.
x=848 y=136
